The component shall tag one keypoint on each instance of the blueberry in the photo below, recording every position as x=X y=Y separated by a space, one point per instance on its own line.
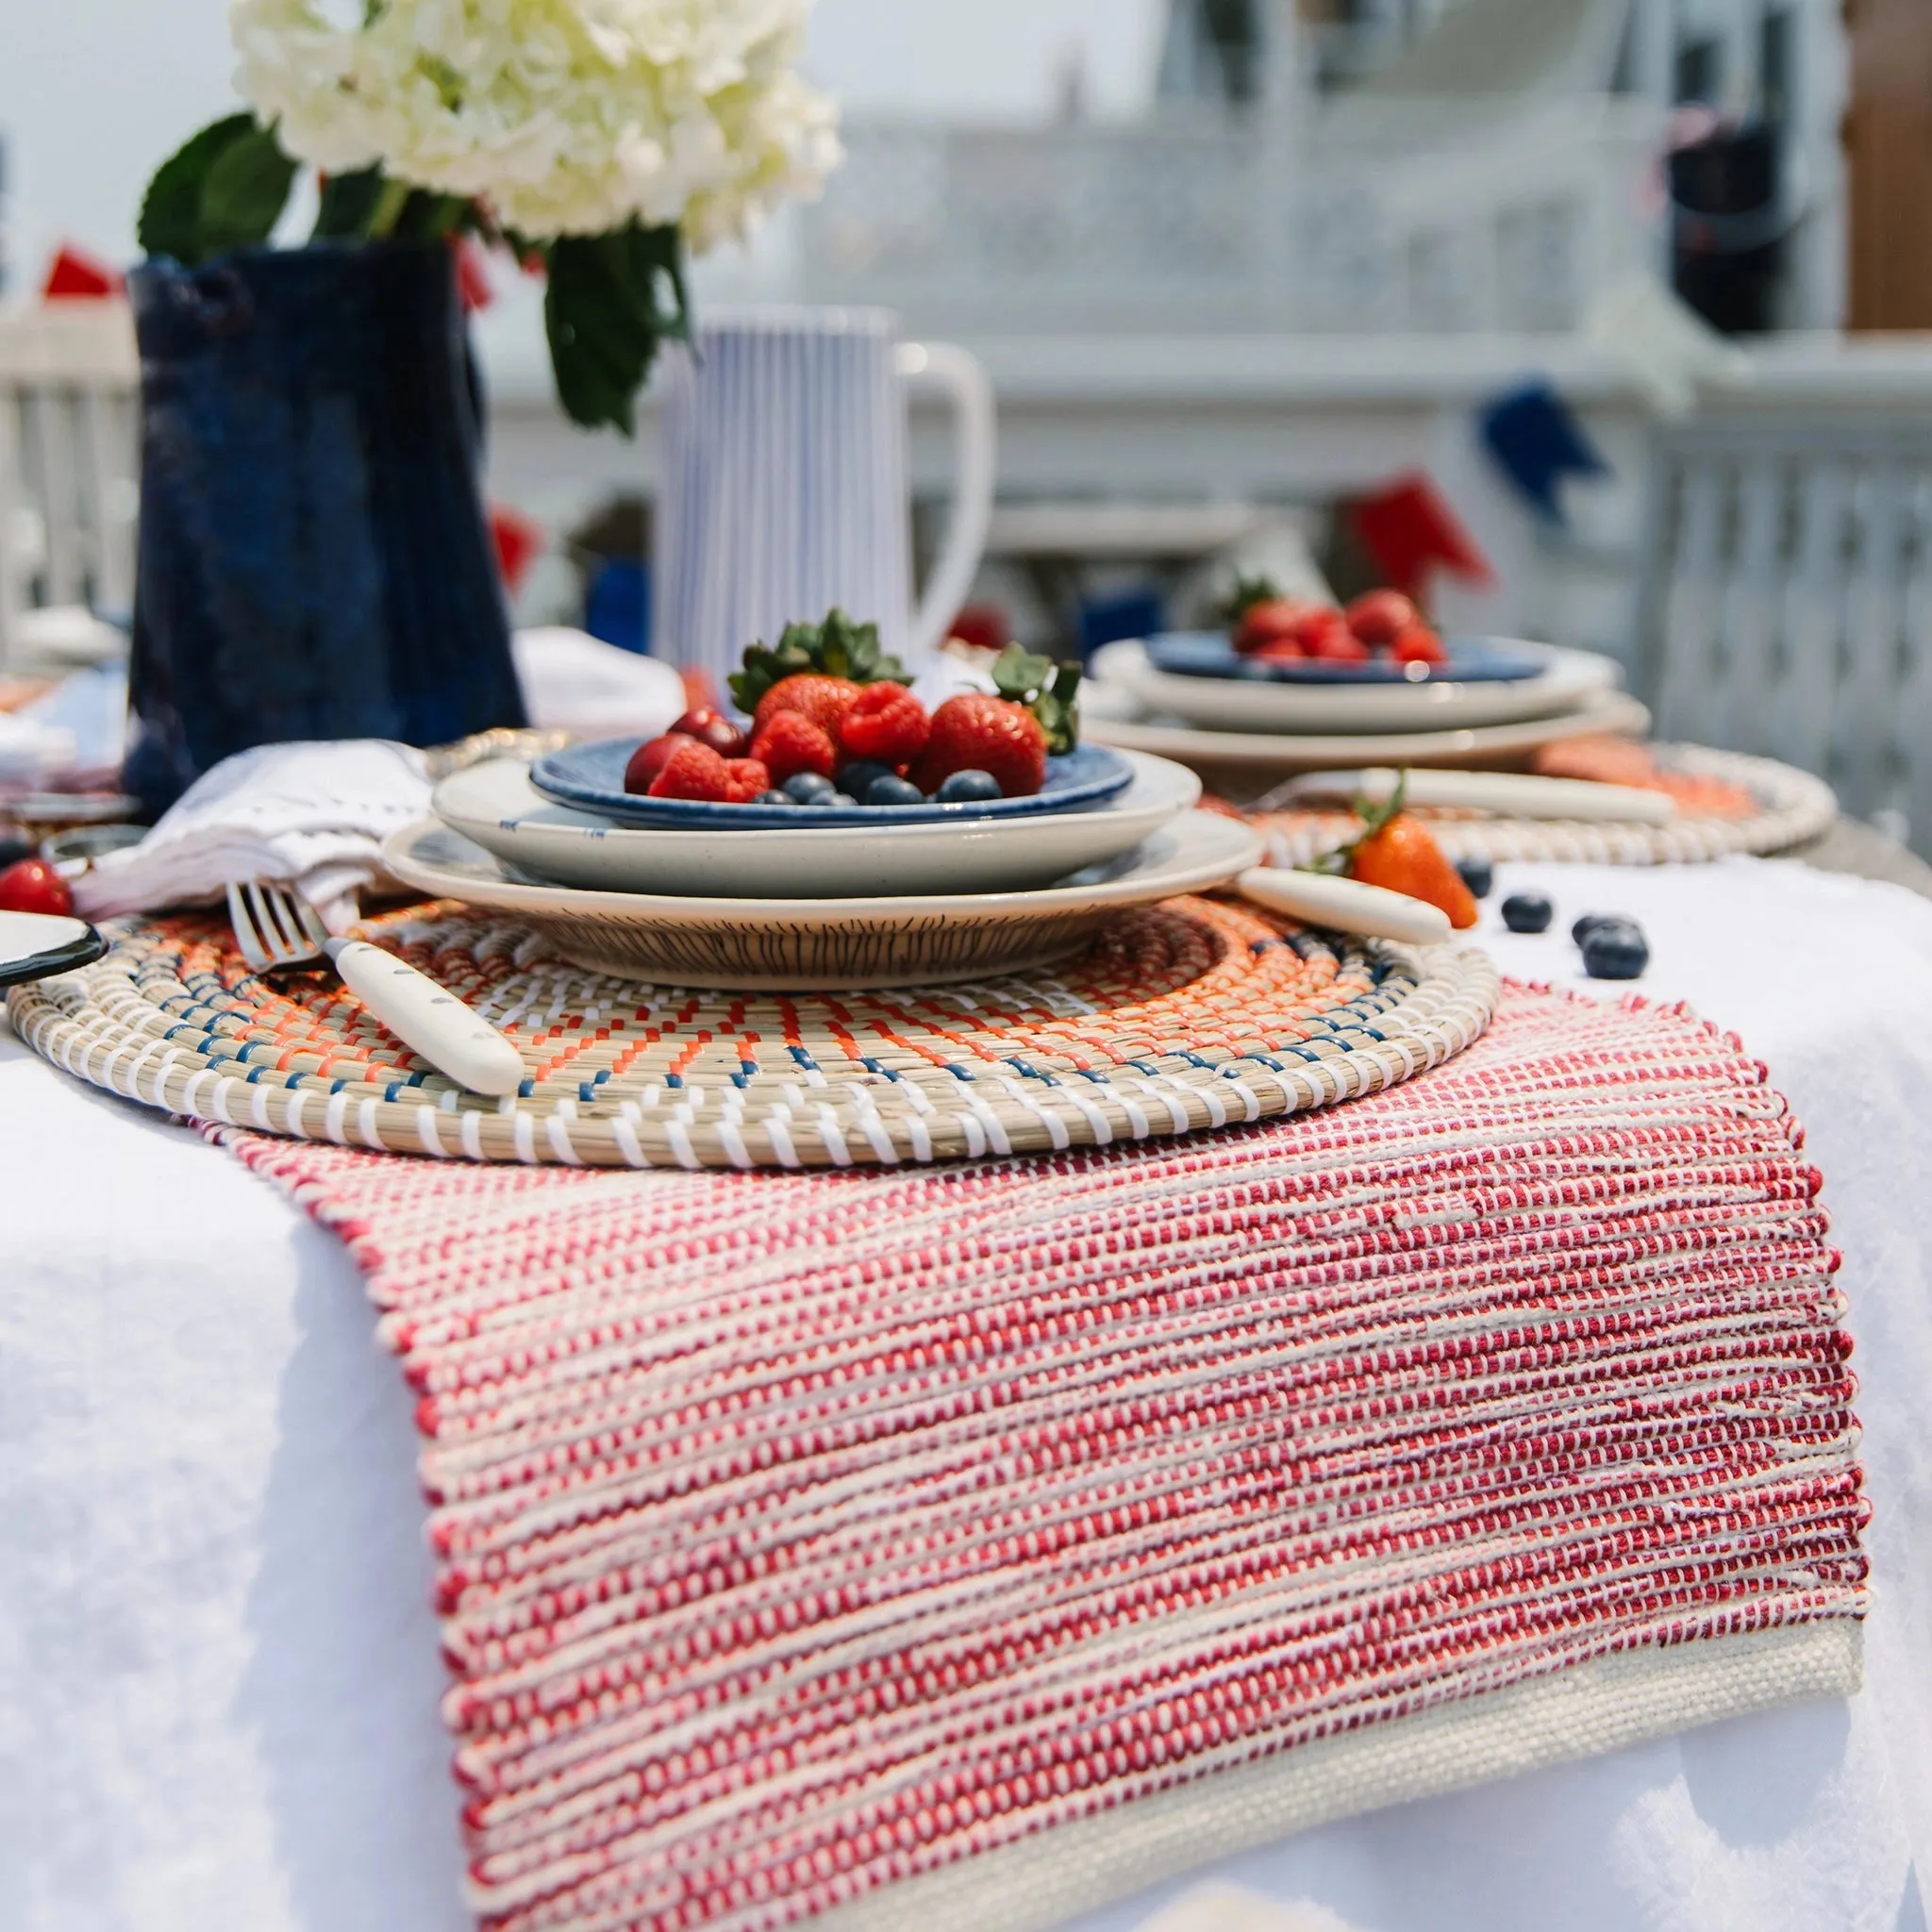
x=1528 y=913
x=807 y=788
x=892 y=789
x=969 y=787
x=13 y=850
x=774 y=798
x=1478 y=875
x=1590 y=921
x=859 y=777
x=1615 y=949
x=840 y=798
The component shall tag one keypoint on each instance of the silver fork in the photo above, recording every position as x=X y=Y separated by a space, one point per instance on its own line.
x=275 y=927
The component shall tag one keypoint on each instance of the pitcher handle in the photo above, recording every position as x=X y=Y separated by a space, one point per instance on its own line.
x=964 y=378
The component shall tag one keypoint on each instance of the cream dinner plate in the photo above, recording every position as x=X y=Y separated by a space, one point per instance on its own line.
x=792 y=944
x=1251 y=756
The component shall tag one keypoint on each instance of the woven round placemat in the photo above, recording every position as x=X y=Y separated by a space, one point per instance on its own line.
x=1793 y=807
x=1195 y=1013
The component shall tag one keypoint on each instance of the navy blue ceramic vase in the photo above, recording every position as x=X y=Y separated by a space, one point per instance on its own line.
x=314 y=558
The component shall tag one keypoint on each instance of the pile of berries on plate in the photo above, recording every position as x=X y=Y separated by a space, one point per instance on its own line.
x=833 y=724
x=1266 y=628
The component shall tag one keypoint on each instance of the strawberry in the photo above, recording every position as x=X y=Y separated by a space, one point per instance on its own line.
x=1266 y=623
x=1379 y=617
x=834 y=648
x=745 y=779
x=31 y=884
x=648 y=760
x=823 y=700
x=1051 y=691
x=1326 y=635
x=884 y=723
x=693 y=770
x=1400 y=855
x=790 y=743
x=1285 y=650
x=709 y=725
x=1418 y=645
x=976 y=733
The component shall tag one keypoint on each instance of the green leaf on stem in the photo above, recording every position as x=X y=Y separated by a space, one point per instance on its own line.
x=609 y=301
x=839 y=647
x=1339 y=864
x=1049 y=691
x=348 y=204
x=1247 y=592
x=245 y=191
x=427 y=216
x=171 y=211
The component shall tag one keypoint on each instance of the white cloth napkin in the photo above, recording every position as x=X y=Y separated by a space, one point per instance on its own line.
x=575 y=682
x=314 y=815
x=32 y=752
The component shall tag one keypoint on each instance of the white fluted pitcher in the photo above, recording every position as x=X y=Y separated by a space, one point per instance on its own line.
x=784 y=487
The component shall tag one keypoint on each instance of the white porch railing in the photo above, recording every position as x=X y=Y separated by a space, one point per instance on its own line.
x=1419 y=218
x=69 y=458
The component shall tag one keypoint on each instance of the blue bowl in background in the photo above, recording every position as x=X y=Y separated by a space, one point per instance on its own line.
x=1472 y=660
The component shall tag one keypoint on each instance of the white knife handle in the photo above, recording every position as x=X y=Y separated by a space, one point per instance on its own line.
x=1346 y=904
x=438 y=1024
x=1514 y=794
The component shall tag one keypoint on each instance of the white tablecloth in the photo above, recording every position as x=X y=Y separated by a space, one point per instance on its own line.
x=219 y=1670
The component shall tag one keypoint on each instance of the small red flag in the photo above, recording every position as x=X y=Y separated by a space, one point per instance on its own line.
x=472 y=274
x=984 y=626
x=1411 y=532
x=518 y=539
x=700 y=688
x=74 y=275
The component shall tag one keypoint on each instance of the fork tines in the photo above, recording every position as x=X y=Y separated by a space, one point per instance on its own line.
x=270 y=926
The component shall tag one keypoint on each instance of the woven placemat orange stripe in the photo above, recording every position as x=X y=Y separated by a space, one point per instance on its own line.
x=1189 y=1015
x=1793 y=809
x=960 y=1545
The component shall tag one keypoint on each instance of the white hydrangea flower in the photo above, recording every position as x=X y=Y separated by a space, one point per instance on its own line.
x=567 y=116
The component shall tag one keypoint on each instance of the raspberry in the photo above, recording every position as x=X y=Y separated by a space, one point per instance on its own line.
x=647 y=761
x=1334 y=642
x=976 y=733
x=823 y=700
x=1324 y=633
x=745 y=779
x=693 y=770
x=791 y=743
x=885 y=723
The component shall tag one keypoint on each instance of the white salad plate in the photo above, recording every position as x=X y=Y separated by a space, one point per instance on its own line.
x=779 y=945
x=1569 y=678
x=1240 y=759
x=497 y=806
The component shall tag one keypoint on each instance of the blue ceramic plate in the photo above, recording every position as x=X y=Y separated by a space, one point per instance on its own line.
x=1472 y=660
x=591 y=777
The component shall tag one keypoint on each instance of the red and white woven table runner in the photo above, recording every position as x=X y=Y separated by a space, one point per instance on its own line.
x=961 y=1545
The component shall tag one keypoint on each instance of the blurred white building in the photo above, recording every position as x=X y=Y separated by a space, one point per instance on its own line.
x=1333 y=232
x=1395 y=166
